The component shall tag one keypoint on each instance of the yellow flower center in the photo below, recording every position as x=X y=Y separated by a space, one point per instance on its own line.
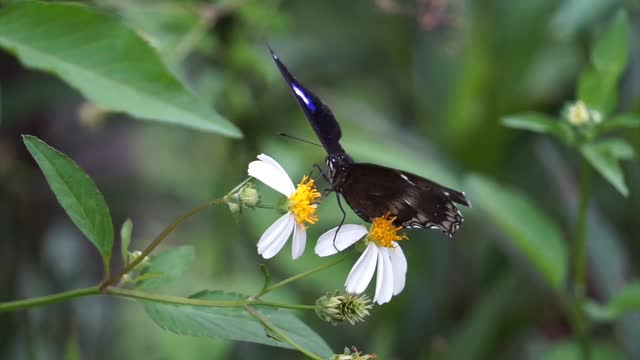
x=384 y=233
x=303 y=203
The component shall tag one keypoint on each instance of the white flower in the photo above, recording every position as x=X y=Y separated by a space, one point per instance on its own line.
x=301 y=207
x=382 y=252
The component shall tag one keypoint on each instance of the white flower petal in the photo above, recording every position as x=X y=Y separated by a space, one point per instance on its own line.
x=276 y=236
x=362 y=271
x=269 y=160
x=399 y=264
x=299 y=241
x=384 y=278
x=272 y=177
x=348 y=234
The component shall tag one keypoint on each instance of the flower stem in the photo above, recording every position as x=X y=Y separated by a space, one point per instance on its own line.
x=583 y=325
x=116 y=278
x=298 y=277
x=47 y=300
x=177 y=300
x=282 y=336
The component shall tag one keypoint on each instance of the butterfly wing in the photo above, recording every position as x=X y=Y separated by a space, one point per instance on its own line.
x=373 y=190
x=319 y=115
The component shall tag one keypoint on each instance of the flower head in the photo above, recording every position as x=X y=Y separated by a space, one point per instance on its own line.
x=382 y=253
x=337 y=307
x=578 y=114
x=300 y=207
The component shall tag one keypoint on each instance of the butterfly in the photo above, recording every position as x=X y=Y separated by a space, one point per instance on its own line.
x=373 y=190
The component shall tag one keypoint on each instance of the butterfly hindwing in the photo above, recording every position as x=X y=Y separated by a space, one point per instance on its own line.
x=319 y=115
x=373 y=190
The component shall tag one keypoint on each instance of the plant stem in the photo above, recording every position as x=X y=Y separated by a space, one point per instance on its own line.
x=177 y=300
x=115 y=279
x=583 y=326
x=47 y=300
x=298 y=277
x=266 y=323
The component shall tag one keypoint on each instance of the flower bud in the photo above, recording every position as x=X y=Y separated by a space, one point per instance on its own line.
x=136 y=254
x=336 y=308
x=355 y=355
x=242 y=196
x=249 y=196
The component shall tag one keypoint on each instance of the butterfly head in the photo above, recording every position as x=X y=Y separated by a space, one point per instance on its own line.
x=335 y=162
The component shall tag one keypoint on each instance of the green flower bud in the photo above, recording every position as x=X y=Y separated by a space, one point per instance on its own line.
x=355 y=355
x=337 y=307
x=242 y=196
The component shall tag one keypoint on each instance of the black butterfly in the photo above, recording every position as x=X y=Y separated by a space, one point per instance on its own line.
x=373 y=190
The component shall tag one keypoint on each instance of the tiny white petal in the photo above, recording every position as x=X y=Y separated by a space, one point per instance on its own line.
x=282 y=229
x=348 y=234
x=299 y=241
x=384 y=278
x=399 y=264
x=272 y=177
x=362 y=272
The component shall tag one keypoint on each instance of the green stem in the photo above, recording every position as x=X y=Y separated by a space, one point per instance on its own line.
x=115 y=279
x=298 y=277
x=583 y=326
x=177 y=300
x=282 y=336
x=47 y=300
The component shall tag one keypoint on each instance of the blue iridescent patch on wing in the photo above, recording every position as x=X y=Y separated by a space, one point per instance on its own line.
x=302 y=96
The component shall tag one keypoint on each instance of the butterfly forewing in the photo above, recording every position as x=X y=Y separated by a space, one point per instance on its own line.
x=373 y=190
x=319 y=115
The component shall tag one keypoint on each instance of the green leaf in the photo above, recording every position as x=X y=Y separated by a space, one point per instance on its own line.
x=528 y=230
x=234 y=323
x=125 y=240
x=540 y=123
x=610 y=53
x=76 y=193
x=622 y=121
x=598 y=84
x=626 y=300
x=106 y=61
x=598 y=90
x=604 y=157
x=169 y=265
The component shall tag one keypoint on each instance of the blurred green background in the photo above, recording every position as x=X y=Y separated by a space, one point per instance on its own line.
x=418 y=85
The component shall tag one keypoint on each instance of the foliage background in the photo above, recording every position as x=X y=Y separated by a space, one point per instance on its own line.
x=418 y=85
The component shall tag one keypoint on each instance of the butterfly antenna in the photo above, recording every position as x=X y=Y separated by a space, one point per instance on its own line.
x=302 y=140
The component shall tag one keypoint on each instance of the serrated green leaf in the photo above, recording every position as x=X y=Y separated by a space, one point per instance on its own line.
x=540 y=123
x=125 y=240
x=77 y=194
x=233 y=323
x=610 y=53
x=621 y=121
x=626 y=300
x=169 y=264
x=527 y=229
x=604 y=158
x=106 y=61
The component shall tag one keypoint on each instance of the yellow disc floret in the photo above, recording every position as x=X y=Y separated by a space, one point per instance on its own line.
x=303 y=203
x=384 y=233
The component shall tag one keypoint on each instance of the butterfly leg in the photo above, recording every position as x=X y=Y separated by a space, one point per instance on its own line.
x=344 y=216
x=323 y=172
